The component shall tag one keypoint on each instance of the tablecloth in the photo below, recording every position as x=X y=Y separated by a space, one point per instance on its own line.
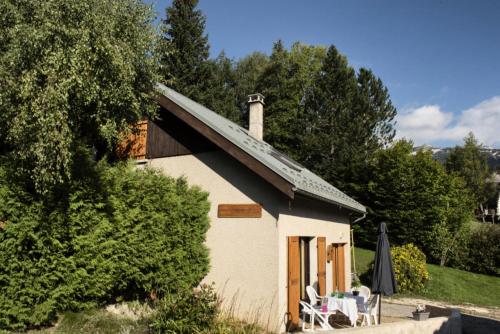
x=346 y=305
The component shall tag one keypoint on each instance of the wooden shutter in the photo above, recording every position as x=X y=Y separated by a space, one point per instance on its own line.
x=321 y=241
x=338 y=267
x=341 y=267
x=293 y=282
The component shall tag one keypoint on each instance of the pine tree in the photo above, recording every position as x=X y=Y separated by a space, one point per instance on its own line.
x=279 y=98
x=472 y=165
x=330 y=140
x=348 y=118
x=223 y=89
x=186 y=64
x=375 y=103
x=285 y=83
x=247 y=74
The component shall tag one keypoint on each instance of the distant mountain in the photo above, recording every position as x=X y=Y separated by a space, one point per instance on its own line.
x=440 y=154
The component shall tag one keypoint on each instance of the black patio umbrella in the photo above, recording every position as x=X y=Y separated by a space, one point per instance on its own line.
x=384 y=280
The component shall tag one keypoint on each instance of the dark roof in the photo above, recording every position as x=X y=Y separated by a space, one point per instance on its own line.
x=300 y=178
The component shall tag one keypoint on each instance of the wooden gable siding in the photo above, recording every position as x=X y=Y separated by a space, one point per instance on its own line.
x=169 y=136
x=134 y=146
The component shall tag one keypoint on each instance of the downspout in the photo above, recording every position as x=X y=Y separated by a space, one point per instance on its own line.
x=352 y=243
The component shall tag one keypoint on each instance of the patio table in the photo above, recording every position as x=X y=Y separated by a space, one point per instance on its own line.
x=346 y=305
x=360 y=300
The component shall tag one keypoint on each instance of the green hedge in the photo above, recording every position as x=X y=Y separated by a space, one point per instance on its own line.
x=114 y=233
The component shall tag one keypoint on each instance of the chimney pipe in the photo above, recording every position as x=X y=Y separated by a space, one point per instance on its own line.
x=256 y=116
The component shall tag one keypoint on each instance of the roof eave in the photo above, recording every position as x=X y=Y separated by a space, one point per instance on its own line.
x=360 y=209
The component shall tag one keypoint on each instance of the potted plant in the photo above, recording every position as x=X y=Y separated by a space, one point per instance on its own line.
x=356 y=284
x=420 y=313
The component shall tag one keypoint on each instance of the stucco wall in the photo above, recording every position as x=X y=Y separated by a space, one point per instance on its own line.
x=248 y=256
x=310 y=218
x=243 y=251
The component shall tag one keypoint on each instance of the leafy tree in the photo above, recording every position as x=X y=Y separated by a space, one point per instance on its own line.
x=71 y=73
x=415 y=196
x=185 y=64
x=472 y=165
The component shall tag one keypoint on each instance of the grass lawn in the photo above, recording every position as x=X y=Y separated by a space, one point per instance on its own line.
x=99 y=321
x=96 y=322
x=448 y=284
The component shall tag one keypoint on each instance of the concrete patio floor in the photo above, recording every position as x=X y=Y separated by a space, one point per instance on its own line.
x=400 y=310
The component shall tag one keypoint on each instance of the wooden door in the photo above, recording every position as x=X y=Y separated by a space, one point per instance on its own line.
x=338 y=267
x=321 y=250
x=293 y=282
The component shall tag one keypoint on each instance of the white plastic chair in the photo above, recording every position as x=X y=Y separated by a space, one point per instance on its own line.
x=370 y=310
x=314 y=313
x=364 y=291
x=313 y=295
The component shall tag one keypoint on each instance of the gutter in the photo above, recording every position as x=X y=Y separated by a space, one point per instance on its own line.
x=309 y=194
x=360 y=218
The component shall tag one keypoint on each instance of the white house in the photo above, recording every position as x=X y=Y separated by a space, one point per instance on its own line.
x=275 y=226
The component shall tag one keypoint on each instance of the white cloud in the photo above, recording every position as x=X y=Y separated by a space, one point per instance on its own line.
x=429 y=124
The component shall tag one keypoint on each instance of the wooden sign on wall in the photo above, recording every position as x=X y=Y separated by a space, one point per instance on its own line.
x=239 y=211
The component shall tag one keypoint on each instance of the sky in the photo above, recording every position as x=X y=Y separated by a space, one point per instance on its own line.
x=440 y=59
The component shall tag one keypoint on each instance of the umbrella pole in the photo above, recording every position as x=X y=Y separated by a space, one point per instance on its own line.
x=379 y=307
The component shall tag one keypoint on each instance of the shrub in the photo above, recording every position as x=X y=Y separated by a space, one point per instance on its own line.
x=186 y=311
x=115 y=233
x=409 y=267
x=449 y=247
x=483 y=254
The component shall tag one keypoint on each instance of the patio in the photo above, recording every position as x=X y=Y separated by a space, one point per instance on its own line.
x=397 y=318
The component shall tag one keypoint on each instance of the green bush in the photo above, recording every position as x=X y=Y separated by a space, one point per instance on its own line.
x=409 y=267
x=186 y=311
x=115 y=233
x=483 y=250
x=475 y=247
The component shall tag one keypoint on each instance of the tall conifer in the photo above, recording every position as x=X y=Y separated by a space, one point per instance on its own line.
x=185 y=66
x=348 y=117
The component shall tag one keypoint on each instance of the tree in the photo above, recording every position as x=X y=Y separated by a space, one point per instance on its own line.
x=348 y=117
x=330 y=120
x=72 y=73
x=247 y=73
x=417 y=199
x=374 y=101
x=472 y=165
x=185 y=64
x=223 y=87
x=285 y=83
